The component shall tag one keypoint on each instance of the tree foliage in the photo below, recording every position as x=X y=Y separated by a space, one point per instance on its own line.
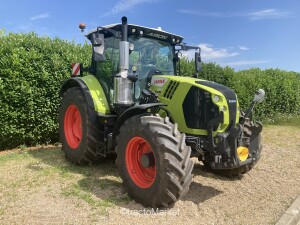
x=281 y=87
x=32 y=71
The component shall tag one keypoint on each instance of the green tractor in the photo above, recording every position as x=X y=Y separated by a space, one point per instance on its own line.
x=135 y=103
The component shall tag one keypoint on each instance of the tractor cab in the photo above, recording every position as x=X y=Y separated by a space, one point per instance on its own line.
x=147 y=52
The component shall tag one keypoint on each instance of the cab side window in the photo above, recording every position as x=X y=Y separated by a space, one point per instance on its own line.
x=105 y=70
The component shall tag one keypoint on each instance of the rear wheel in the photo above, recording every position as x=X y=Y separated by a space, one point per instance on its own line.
x=153 y=160
x=77 y=127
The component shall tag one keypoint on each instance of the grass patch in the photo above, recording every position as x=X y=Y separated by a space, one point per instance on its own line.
x=100 y=193
x=290 y=121
x=91 y=194
x=283 y=120
x=13 y=156
x=99 y=185
x=76 y=191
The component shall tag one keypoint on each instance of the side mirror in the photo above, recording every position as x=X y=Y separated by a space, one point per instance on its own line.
x=198 y=67
x=259 y=96
x=98 y=47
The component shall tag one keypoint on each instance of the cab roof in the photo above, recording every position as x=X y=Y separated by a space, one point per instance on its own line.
x=155 y=33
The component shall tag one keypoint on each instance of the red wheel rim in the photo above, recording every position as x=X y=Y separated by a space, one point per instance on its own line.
x=141 y=176
x=72 y=126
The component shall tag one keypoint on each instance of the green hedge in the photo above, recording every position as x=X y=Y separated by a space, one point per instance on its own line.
x=282 y=91
x=32 y=70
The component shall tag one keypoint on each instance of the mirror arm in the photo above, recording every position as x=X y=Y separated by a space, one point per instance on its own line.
x=249 y=110
x=260 y=93
x=185 y=47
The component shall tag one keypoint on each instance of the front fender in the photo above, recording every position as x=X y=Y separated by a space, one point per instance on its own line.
x=132 y=111
x=92 y=90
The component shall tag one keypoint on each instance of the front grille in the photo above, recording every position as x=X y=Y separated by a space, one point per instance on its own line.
x=230 y=98
x=173 y=85
x=199 y=109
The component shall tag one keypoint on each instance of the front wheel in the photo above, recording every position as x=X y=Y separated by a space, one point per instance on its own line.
x=153 y=160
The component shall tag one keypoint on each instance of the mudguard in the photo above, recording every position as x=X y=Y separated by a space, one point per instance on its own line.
x=92 y=90
x=132 y=111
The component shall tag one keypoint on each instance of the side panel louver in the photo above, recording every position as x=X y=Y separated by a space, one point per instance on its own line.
x=171 y=89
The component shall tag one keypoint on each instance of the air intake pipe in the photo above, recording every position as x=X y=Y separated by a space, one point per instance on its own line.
x=123 y=87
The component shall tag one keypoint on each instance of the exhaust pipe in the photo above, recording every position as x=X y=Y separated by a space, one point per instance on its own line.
x=123 y=87
x=124 y=49
x=124 y=28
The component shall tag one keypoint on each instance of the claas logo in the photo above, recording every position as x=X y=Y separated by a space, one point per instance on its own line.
x=159 y=81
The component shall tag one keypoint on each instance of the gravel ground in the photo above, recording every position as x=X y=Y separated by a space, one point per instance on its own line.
x=27 y=196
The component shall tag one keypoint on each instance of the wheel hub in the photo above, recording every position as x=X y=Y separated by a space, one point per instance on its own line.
x=73 y=126
x=140 y=162
x=147 y=160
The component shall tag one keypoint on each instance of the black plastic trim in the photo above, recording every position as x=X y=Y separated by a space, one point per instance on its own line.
x=230 y=98
x=198 y=108
x=132 y=111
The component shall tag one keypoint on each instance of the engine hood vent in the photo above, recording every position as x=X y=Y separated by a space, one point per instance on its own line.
x=173 y=85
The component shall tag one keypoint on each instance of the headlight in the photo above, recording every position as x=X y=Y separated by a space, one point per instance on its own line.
x=223 y=108
x=216 y=98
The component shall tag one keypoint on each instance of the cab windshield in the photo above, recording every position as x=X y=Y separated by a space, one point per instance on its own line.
x=151 y=54
x=150 y=57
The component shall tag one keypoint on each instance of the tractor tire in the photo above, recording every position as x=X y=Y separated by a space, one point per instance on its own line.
x=153 y=160
x=237 y=172
x=77 y=128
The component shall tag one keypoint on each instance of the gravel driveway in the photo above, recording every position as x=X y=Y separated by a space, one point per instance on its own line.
x=27 y=195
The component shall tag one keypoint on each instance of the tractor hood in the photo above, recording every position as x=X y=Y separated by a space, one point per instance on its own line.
x=193 y=103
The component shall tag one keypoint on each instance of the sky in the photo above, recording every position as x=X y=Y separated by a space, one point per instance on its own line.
x=235 y=33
